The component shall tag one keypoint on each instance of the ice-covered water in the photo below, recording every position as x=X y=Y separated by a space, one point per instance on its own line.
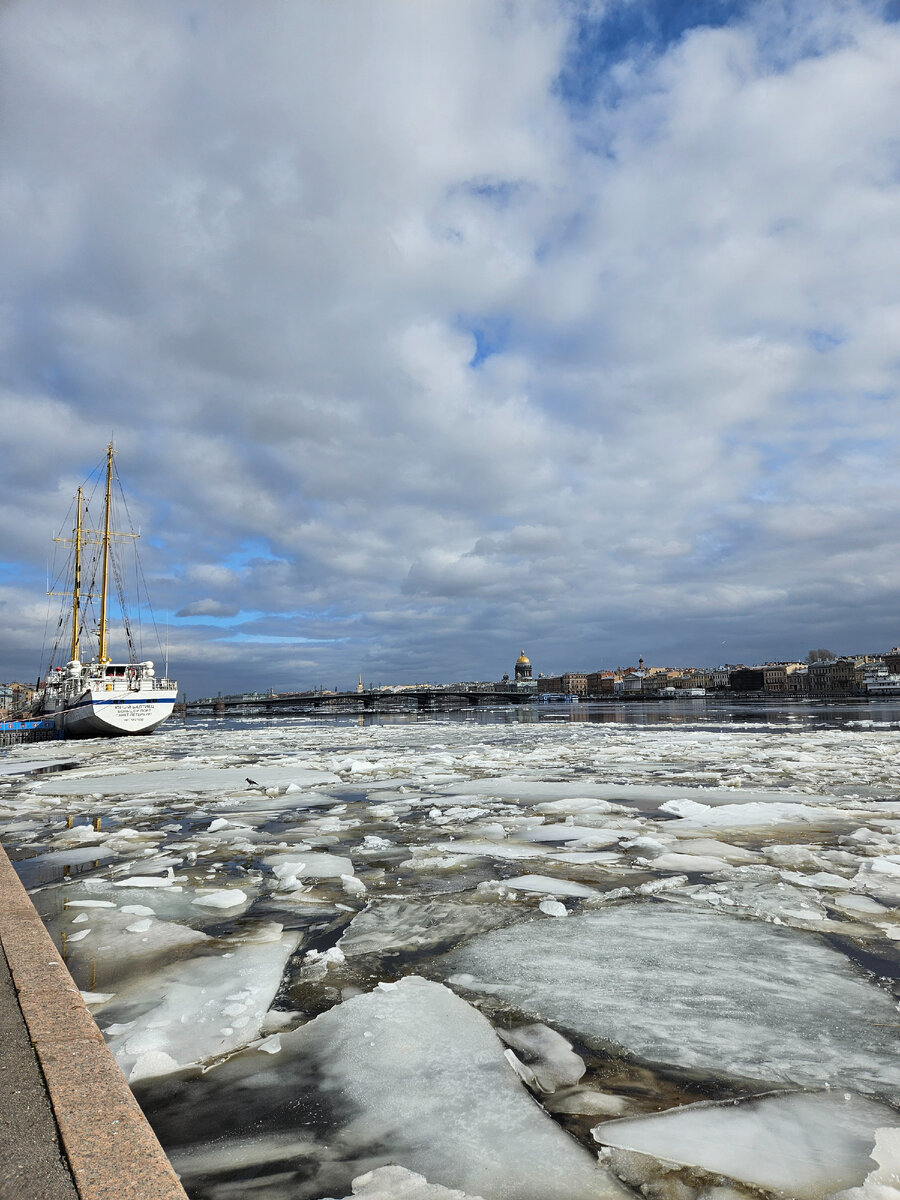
x=695 y=991
x=586 y=919
x=803 y=1145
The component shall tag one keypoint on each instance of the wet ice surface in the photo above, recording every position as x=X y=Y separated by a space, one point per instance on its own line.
x=805 y=1146
x=412 y=1067
x=695 y=992
x=229 y=896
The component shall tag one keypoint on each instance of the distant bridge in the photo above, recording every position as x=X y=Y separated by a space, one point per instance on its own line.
x=352 y=703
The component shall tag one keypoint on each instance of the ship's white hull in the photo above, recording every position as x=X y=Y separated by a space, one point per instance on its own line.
x=98 y=713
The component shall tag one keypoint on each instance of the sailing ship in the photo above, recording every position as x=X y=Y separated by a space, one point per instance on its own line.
x=101 y=697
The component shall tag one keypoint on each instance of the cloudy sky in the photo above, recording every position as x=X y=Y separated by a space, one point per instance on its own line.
x=429 y=331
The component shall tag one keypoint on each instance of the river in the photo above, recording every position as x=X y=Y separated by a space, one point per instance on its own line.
x=544 y=953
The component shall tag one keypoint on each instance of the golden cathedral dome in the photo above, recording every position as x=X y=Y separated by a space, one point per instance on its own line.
x=523 y=659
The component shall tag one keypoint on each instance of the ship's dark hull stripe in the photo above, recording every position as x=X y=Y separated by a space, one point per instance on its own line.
x=96 y=703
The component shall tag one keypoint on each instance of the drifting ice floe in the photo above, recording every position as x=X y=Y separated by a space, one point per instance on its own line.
x=549 y=1057
x=221 y=780
x=196 y=1011
x=803 y=1145
x=223 y=898
x=396 y=1183
x=696 y=991
x=123 y=942
x=650 y=795
x=423 y=1072
x=290 y=869
x=409 y=1075
x=549 y=885
x=751 y=813
x=881 y=878
x=763 y=895
x=392 y=926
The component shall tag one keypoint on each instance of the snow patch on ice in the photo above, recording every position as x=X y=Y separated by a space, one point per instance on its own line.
x=226 y=898
x=396 y=1183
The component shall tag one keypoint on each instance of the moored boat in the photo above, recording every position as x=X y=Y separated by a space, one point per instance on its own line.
x=101 y=697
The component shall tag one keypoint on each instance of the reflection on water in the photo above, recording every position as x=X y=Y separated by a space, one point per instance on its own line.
x=698 y=711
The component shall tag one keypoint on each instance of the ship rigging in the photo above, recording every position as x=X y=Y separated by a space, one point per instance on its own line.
x=100 y=697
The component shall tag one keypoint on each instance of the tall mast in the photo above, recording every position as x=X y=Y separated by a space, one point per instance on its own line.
x=102 y=655
x=76 y=588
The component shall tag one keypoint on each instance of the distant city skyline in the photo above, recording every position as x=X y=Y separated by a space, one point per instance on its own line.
x=425 y=332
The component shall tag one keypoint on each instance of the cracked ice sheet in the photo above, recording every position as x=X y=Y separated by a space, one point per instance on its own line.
x=392 y=926
x=703 y=993
x=290 y=865
x=120 y=943
x=650 y=795
x=182 y=779
x=764 y=896
x=412 y=1075
x=196 y=1011
x=752 y=814
x=805 y=1145
x=173 y=902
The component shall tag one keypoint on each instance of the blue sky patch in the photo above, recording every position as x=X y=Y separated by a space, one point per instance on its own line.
x=824 y=340
x=500 y=192
x=250 y=552
x=633 y=28
x=276 y=638
x=491 y=336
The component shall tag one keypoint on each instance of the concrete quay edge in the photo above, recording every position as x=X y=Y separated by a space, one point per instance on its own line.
x=111 y=1151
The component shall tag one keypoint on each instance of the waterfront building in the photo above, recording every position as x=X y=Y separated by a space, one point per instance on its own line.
x=775 y=677
x=797 y=682
x=632 y=680
x=833 y=677
x=551 y=683
x=15 y=697
x=523 y=681
x=571 y=683
x=523 y=668
x=601 y=683
x=701 y=679
x=683 y=681
x=657 y=680
x=820 y=677
x=747 y=679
